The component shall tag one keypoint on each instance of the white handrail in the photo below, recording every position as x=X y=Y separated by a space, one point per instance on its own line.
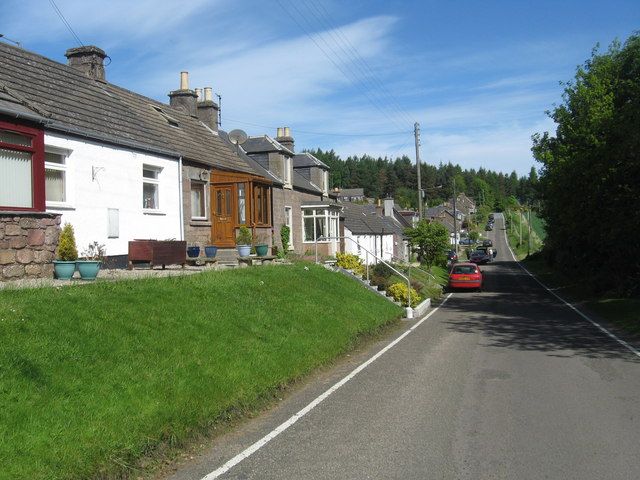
x=367 y=263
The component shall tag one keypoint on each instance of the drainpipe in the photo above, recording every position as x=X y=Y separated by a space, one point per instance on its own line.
x=180 y=206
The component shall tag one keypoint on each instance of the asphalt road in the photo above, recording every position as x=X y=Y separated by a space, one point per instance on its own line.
x=504 y=384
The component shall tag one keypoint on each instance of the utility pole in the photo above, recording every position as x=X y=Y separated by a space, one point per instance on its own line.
x=529 y=236
x=455 y=218
x=416 y=134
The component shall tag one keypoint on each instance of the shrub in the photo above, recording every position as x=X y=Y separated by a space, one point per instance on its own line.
x=284 y=237
x=349 y=261
x=417 y=286
x=382 y=270
x=400 y=293
x=379 y=281
x=67 y=250
x=244 y=236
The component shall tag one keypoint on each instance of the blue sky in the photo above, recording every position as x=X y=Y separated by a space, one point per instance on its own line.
x=349 y=76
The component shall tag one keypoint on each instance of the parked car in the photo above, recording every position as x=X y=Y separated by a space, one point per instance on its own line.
x=466 y=241
x=465 y=275
x=489 y=227
x=491 y=217
x=487 y=243
x=480 y=257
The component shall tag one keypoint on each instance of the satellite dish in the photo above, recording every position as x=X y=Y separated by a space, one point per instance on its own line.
x=237 y=136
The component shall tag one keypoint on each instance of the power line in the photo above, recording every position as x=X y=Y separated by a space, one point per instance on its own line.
x=352 y=52
x=64 y=20
x=337 y=65
x=386 y=134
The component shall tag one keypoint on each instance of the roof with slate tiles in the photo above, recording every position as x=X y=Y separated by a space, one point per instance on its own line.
x=73 y=103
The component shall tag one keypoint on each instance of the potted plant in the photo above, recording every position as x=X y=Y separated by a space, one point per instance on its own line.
x=92 y=258
x=210 y=251
x=262 y=247
x=67 y=254
x=193 y=251
x=243 y=241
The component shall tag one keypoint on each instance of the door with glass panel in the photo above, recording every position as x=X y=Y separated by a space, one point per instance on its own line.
x=222 y=215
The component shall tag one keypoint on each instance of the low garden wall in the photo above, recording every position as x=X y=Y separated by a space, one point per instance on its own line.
x=28 y=242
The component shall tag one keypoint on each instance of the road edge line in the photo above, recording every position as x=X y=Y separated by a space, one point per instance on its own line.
x=571 y=306
x=247 y=452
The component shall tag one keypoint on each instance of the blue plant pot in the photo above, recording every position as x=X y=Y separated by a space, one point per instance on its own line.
x=193 y=252
x=262 y=249
x=88 y=269
x=210 y=251
x=63 y=269
x=244 y=250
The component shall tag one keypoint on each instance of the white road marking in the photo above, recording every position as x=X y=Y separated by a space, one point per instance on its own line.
x=293 y=419
x=572 y=307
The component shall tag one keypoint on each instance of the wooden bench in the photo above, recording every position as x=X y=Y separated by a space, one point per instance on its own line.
x=250 y=261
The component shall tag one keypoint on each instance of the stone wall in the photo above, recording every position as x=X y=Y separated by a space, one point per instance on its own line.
x=28 y=242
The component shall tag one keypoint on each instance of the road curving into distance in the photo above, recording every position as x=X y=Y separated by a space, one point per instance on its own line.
x=509 y=383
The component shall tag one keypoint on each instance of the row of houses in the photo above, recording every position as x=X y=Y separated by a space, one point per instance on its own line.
x=120 y=166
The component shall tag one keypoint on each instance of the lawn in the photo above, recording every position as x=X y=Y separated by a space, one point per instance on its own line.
x=95 y=377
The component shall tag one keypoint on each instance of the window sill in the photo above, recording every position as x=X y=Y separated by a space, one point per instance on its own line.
x=154 y=212
x=59 y=206
x=195 y=222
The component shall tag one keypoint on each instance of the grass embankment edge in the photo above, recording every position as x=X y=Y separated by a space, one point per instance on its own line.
x=101 y=380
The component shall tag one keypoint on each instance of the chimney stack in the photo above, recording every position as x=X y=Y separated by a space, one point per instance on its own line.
x=284 y=138
x=388 y=207
x=208 y=109
x=184 y=99
x=89 y=60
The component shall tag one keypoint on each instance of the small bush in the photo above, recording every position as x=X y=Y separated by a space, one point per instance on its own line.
x=285 y=232
x=400 y=293
x=67 y=250
x=379 y=281
x=349 y=261
x=382 y=270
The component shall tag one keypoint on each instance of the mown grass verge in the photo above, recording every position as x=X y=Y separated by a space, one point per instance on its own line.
x=92 y=378
x=622 y=312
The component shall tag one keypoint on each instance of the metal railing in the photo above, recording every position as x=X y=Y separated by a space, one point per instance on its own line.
x=368 y=252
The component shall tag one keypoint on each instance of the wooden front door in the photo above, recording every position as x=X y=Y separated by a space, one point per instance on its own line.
x=222 y=227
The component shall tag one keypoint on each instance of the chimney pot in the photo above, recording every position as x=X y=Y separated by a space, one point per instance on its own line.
x=208 y=110
x=184 y=80
x=280 y=132
x=199 y=93
x=287 y=132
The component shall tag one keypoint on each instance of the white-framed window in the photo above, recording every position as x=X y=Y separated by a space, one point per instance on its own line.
x=198 y=200
x=55 y=171
x=287 y=173
x=319 y=222
x=151 y=187
x=288 y=220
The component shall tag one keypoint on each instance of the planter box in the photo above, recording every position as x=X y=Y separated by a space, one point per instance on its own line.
x=158 y=252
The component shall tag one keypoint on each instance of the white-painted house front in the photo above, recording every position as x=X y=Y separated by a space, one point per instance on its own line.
x=116 y=165
x=112 y=195
x=369 y=246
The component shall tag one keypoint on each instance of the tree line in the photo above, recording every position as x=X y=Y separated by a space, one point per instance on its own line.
x=590 y=175
x=382 y=177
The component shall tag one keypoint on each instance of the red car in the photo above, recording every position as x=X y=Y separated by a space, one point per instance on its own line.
x=465 y=275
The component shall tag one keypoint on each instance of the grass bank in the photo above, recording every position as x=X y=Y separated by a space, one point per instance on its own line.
x=622 y=312
x=94 y=377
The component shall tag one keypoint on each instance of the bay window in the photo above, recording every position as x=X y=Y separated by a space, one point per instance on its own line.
x=319 y=222
x=21 y=168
